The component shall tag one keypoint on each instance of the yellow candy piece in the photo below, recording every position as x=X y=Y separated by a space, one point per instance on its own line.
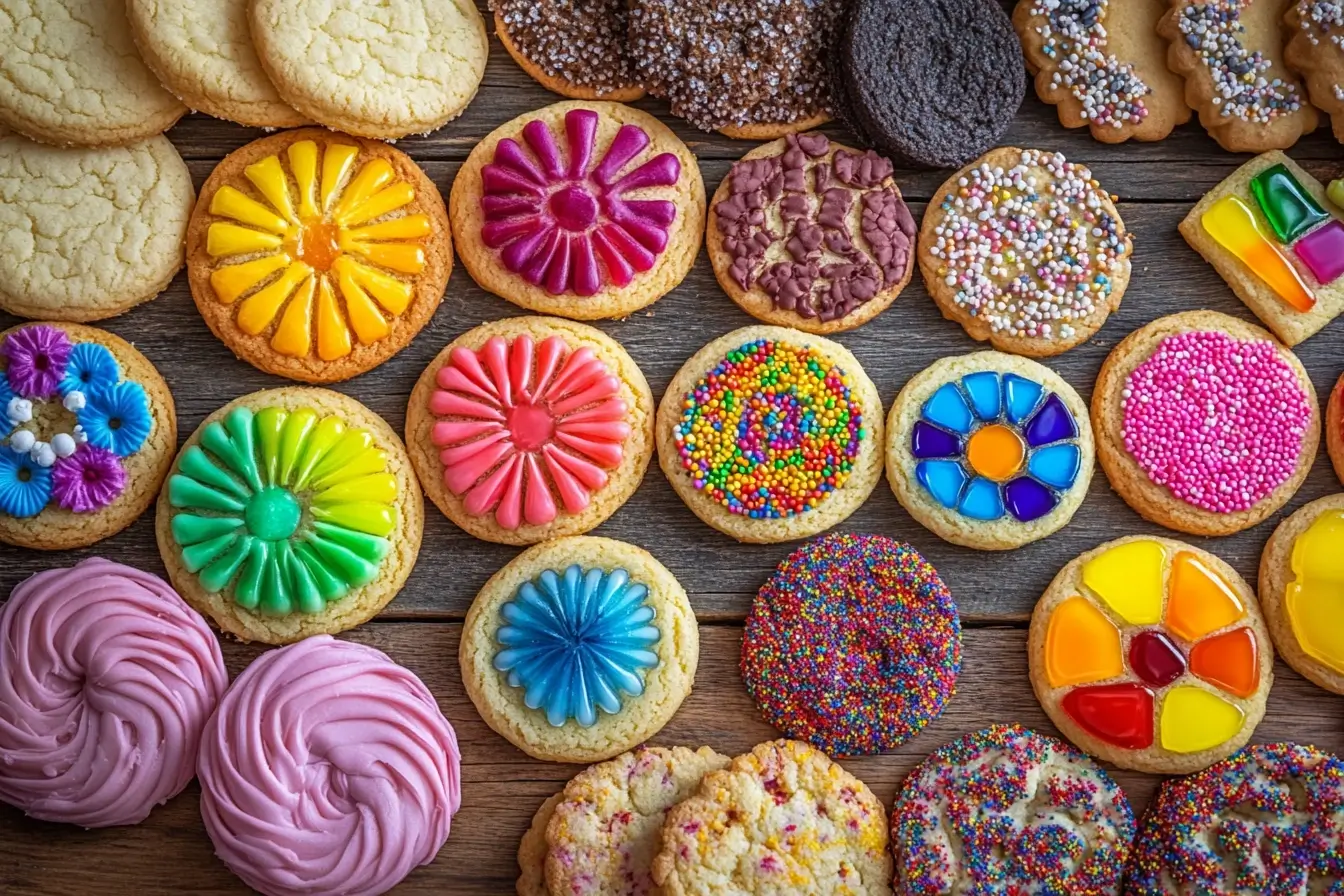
x=408 y=258
x=1129 y=579
x=371 y=178
x=379 y=204
x=293 y=335
x=388 y=291
x=1193 y=720
x=333 y=336
x=268 y=176
x=231 y=203
x=258 y=310
x=367 y=323
x=1081 y=645
x=223 y=238
x=231 y=281
x=303 y=162
x=336 y=165
x=1232 y=223
x=1199 y=601
x=1314 y=600
x=409 y=227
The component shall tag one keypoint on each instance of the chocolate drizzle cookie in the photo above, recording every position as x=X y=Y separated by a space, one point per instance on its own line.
x=576 y=48
x=810 y=234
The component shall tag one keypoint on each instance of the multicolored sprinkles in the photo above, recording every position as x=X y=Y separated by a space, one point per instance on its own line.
x=1264 y=821
x=771 y=431
x=1109 y=91
x=1245 y=91
x=853 y=645
x=1005 y=810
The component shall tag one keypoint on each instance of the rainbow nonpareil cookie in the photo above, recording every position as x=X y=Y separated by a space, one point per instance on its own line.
x=1204 y=423
x=1277 y=238
x=530 y=428
x=1263 y=823
x=853 y=645
x=290 y=512
x=810 y=234
x=1315 y=49
x=989 y=450
x=1152 y=655
x=318 y=256
x=769 y=434
x=1007 y=810
x=87 y=431
x=584 y=210
x=1024 y=249
x=576 y=49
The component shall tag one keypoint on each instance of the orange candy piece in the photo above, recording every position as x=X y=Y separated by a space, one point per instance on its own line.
x=1081 y=645
x=1230 y=661
x=1199 y=601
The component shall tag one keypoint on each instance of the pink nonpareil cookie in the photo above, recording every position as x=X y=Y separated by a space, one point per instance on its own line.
x=327 y=768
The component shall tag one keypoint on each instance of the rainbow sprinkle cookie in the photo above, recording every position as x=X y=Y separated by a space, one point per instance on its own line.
x=853 y=645
x=1007 y=810
x=1025 y=250
x=1265 y=822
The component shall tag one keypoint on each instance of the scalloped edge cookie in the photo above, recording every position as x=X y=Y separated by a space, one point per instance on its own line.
x=1321 y=65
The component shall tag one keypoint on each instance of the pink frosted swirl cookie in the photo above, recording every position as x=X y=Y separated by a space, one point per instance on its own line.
x=106 y=680
x=327 y=768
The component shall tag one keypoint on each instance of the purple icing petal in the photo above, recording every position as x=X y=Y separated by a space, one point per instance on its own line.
x=640 y=259
x=517 y=253
x=557 y=266
x=659 y=171
x=655 y=211
x=587 y=278
x=497 y=179
x=629 y=142
x=499 y=233
x=535 y=271
x=510 y=155
x=497 y=207
x=37 y=356
x=89 y=479
x=618 y=269
x=928 y=441
x=538 y=137
x=1027 y=500
x=1051 y=423
x=581 y=132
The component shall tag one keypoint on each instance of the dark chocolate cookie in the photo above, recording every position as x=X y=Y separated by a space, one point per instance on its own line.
x=935 y=82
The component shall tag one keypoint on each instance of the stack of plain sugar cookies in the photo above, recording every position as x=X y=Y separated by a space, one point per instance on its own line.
x=95 y=201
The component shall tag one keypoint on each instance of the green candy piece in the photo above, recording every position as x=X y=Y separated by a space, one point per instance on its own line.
x=1336 y=193
x=1290 y=210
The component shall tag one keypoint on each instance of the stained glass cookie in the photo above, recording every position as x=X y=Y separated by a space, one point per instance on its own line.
x=989 y=450
x=290 y=512
x=579 y=649
x=1152 y=655
x=317 y=256
x=1315 y=49
x=530 y=428
x=1204 y=423
x=585 y=210
x=87 y=432
x=1274 y=234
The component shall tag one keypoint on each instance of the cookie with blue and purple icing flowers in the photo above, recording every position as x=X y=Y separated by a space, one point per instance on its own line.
x=1008 y=810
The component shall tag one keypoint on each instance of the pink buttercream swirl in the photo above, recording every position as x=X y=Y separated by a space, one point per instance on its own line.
x=327 y=768
x=1217 y=421
x=566 y=225
x=526 y=425
x=106 y=680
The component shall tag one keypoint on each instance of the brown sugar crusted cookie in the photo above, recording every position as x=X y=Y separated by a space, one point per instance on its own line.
x=1315 y=49
x=1103 y=65
x=1204 y=423
x=576 y=48
x=530 y=428
x=290 y=512
x=1151 y=654
x=809 y=234
x=317 y=256
x=87 y=432
x=1230 y=53
x=1026 y=250
x=770 y=435
x=1302 y=591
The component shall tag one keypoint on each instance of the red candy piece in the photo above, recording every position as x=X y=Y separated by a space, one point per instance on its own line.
x=1120 y=714
x=1156 y=659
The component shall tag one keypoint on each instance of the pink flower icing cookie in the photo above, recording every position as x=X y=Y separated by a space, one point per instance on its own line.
x=587 y=210
x=1204 y=423
x=530 y=428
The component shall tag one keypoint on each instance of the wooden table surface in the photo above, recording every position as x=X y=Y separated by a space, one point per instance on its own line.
x=1157 y=183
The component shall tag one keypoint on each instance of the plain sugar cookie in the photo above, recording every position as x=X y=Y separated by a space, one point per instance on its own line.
x=87 y=233
x=70 y=75
x=382 y=70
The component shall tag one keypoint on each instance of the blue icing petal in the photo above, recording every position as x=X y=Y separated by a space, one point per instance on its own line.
x=576 y=641
x=927 y=440
x=985 y=393
x=6 y=394
x=25 y=487
x=117 y=419
x=948 y=409
x=1057 y=465
x=982 y=500
x=1022 y=395
x=1052 y=423
x=91 y=367
x=943 y=479
x=1028 y=500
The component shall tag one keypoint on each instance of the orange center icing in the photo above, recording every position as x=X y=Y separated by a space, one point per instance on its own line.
x=995 y=452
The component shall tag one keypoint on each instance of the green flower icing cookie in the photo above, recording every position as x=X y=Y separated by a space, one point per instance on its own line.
x=284 y=510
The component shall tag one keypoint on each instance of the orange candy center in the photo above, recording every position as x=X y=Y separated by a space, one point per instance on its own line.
x=316 y=245
x=995 y=452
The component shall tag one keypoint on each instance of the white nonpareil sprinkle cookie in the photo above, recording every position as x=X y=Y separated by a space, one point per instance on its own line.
x=1315 y=49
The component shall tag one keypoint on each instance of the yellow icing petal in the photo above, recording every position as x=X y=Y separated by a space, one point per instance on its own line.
x=268 y=177
x=1194 y=720
x=328 y=433
x=379 y=204
x=352 y=457
x=388 y=291
x=294 y=442
x=303 y=162
x=336 y=164
x=408 y=258
x=1129 y=578
x=410 y=227
x=268 y=422
x=230 y=239
x=371 y=178
x=365 y=516
x=1314 y=599
x=368 y=324
x=258 y=310
x=379 y=487
x=231 y=203
x=293 y=335
x=233 y=280
x=333 y=336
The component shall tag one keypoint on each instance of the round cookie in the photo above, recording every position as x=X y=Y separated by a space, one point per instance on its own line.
x=108 y=681
x=781 y=819
x=70 y=75
x=385 y=70
x=853 y=645
x=576 y=49
x=318 y=256
x=997 y=260
x=1334 y=426
x=1265 y=821
x=1191 y=468
x=86 y=234
x=579 y=649
x=530 y=428
x=933 y=83
x=201 y=50
x=328 y=768
x=87 y=432
x=1151 y=654
x=290 y=512
x=1007 y=810
x=532 y=850
x=810 y=234
x=1302 y=591
x=989 y=451
x=815 y=435
x=601 y=228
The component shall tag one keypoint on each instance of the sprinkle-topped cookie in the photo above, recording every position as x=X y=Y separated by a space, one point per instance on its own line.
x=1316 y=49
x=1109 y=90
x=1007 y=810
x=577 y=48
x=853 y=645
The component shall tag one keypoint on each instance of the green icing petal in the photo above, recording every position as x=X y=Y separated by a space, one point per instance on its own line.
x=247 y=590
x=198 y=465
x=293 y=438
x=221 y=571
x=188 y=528
x=325 y=435
x=184 y=491
x=351 y=567
x=275 y=598
x=328 y=586
x=369 y=547
x=306 y=595
x=197 y=556
x=232 y=442
x=269 y=422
